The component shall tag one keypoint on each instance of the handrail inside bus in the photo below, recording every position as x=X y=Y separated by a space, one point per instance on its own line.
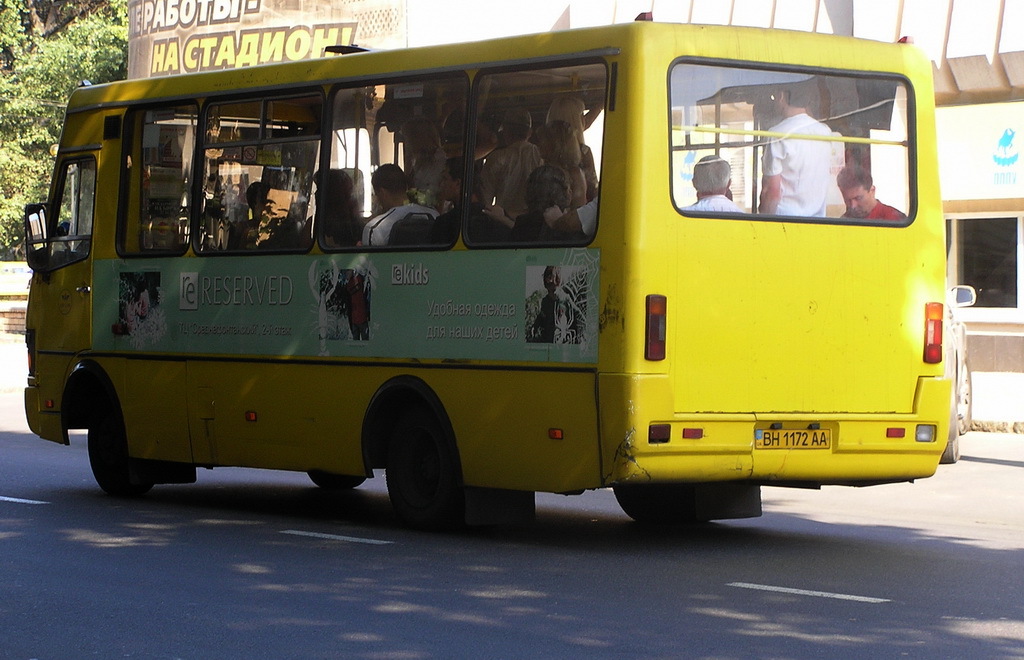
x=799 y=136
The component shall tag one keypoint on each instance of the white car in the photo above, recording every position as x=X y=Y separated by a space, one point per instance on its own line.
x=958 y=370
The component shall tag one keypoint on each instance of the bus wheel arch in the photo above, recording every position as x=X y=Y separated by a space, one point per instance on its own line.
x=385 y=408
x=88 y=395
x=90 y=402
x=407 y=431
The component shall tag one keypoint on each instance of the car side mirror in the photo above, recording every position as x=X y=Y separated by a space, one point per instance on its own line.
x=963 y=295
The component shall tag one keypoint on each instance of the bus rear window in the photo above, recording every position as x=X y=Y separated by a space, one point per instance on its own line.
x=813 y=145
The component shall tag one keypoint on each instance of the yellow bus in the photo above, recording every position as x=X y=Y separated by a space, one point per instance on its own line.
x=617 y=257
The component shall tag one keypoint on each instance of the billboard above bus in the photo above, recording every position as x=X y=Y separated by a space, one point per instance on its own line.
x=168 y=37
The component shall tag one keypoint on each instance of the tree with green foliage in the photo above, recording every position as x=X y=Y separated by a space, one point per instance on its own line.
x=47 y=48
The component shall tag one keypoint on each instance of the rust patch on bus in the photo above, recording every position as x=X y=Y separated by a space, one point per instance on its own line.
x=611 y=313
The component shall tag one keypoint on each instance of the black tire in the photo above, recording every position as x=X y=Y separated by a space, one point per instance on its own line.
x=108 y=457
x=965 y=405
x=423 y=477
x=951 y=454
x=329 y=481
x=658 y=503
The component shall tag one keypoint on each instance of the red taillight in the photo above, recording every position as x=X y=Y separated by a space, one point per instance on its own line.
x=654 y=348
x=659 y=433
x=933 y=317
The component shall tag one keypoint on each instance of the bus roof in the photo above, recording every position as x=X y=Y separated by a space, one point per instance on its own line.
x=710 y=41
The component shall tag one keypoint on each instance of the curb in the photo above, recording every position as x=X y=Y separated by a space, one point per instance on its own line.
x=998 y=427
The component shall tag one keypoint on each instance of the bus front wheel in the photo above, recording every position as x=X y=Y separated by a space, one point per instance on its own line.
x=422 y=473
x=108 y=457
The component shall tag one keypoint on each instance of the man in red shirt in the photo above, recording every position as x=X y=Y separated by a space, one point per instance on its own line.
x=859 y=194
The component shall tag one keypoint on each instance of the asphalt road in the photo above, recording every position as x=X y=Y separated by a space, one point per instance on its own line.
x=260 y=564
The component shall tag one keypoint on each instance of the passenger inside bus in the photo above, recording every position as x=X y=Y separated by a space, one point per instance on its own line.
x=712 y=179
x=424 y=157
x=574 y=224
x=858 y=190
x=573 y=111
x=343 y=223
x=506 y=170
x=558 y=146
x=271 y=227
x=391 y=189
x=547 y=187
x=796 y=172
x=446 y=227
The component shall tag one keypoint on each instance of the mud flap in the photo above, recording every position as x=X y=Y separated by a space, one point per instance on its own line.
x=721 y=501
x=495 y=506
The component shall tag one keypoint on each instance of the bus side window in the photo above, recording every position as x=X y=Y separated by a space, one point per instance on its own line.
x=71 y=226
x=160 y=144
x=260 y=158
x=549 y=124
x=414 y=130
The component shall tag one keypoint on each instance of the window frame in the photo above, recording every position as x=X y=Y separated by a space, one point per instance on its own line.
x=262 y=97
x=55 y=213
x=126 y=196
x=977 y=313
x=911 y=146
x=474 y=112
x=338 y=88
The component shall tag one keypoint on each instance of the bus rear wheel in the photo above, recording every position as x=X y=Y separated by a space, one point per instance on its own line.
x=108 y=457
x=422 y=473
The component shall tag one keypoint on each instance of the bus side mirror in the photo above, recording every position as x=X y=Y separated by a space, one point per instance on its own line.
x=37 y=249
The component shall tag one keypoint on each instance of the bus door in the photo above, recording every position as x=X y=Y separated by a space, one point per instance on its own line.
x=59 y=245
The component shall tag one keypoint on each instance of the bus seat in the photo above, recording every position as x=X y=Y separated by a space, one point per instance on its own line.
x=413 y=229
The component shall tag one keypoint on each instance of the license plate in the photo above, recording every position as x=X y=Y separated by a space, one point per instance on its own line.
x=792 y=438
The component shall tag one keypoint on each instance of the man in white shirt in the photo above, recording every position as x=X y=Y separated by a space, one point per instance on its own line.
x=797 y=174
x=390 y=186
x=712 y=178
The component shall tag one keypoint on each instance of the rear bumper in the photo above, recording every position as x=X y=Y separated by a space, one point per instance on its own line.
x=46 y=423
x=863 y=448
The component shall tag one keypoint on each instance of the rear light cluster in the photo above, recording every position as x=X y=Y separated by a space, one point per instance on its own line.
x=659 y=434
x=922 y=433
x=654 y=346
x=934 y=315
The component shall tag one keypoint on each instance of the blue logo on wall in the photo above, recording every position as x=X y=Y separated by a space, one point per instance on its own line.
x=1006 y=153
x=687 y=172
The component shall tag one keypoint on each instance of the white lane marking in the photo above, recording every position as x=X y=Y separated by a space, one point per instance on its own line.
x=18 y=500
x=805 y=592
x=336 y=537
